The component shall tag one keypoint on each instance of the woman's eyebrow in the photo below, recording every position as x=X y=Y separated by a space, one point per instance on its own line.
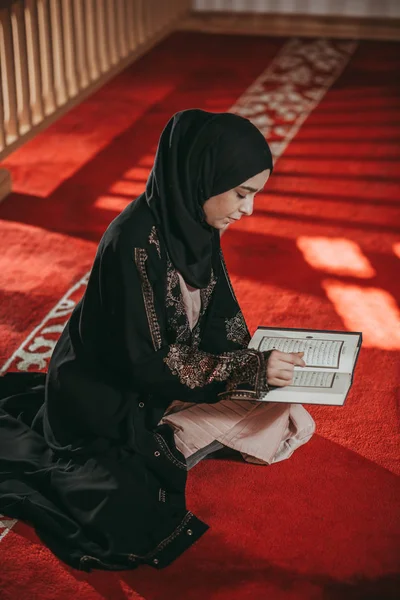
x=247 y=187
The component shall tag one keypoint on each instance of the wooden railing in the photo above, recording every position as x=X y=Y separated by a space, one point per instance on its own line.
x=53 y=53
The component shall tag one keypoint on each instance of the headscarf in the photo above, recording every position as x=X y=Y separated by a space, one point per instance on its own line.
x=199 y=155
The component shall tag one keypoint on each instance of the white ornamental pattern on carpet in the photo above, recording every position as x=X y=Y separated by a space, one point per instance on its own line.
x=278 y=102
x=6 y=525
x=282 y=97
x=35 y=352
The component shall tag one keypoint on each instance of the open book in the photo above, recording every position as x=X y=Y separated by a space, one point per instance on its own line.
x=330 y=358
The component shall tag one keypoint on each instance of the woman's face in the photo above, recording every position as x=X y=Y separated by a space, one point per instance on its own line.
x=230 y=206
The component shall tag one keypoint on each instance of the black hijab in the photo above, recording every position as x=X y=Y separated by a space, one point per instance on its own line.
x=199 y=155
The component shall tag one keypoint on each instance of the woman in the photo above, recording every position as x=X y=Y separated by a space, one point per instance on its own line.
x=87 y=455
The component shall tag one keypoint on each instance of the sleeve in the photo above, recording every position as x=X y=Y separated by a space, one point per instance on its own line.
x=136 y=301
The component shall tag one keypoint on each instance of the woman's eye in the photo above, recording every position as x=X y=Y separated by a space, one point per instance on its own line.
x=240 y=196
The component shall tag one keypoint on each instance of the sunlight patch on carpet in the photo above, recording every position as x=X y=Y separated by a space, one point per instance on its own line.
x=338 y=256
x=371 y=310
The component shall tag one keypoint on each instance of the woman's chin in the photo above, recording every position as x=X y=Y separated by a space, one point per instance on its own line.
x=219 y=225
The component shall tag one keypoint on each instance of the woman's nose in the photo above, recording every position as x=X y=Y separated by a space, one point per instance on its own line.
x=247 y=206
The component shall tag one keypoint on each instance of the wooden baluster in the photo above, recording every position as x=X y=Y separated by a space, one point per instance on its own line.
x=33 y=52
x=8 y=77
x=58 y=52
x=101 y=36
x=91 y=45
x=130 y=25
x=71 y=68
x=120 y=19
x=80 y=33
x=140 y=25
x=2 y=130
x=148 y=18
x=166 y=9
x=21 y=68
x=111 y=32
x=46 y=53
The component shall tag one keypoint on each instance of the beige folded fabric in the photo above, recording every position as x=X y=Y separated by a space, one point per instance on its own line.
x=264 y=432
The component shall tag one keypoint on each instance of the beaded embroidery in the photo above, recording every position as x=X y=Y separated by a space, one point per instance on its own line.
x=148 y=296
x=177 y=317
x=206 y=293
x=236 y=330
x=153 y=239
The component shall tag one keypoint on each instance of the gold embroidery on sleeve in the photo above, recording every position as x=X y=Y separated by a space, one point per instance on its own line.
x=196 y=368
x=148 y=297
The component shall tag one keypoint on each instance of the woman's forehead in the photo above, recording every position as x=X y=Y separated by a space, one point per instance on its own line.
x=257 y=182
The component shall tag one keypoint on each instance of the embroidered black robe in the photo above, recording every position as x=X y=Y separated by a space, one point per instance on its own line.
x=82 y=457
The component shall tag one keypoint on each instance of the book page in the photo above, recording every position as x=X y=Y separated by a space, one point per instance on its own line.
x=331 y=389
x=317 y=353
x=315 y=379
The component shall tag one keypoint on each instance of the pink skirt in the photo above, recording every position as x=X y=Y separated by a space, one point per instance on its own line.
x=263 y=432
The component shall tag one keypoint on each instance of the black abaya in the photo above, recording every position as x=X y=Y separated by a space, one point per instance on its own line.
x=82 y=458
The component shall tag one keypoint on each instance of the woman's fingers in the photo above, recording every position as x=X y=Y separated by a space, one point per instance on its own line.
x=280 y=377
x=285 y=374
x=280 y=367
x=279 y=382
x=293 y=358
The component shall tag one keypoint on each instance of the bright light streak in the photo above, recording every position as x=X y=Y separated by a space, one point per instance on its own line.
x=371 y=310
x=339 y=256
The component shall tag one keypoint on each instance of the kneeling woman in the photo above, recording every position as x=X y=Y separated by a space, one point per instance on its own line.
x=95 y=453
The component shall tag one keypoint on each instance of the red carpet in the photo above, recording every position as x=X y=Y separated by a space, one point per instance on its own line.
x=322 y=250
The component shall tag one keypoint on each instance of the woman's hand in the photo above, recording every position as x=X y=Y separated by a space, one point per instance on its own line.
x=280 y=367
